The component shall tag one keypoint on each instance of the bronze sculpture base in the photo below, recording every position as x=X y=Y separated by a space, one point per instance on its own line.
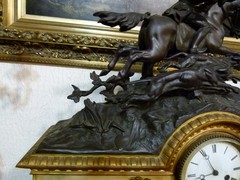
x=162 y=166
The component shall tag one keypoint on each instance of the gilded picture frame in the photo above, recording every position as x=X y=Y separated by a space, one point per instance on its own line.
x=63 y=41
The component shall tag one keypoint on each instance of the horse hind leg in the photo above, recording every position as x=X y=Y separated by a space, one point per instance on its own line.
x=122 y=51
x=147 y=70
x=145 y=56
x=133 y=57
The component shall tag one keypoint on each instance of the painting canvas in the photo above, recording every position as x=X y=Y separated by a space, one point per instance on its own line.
x=83 y=9
x=59 y=25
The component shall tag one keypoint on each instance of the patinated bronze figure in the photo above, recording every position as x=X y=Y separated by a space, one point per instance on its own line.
x=160 y=35
x=194 y=13
x=141 y=116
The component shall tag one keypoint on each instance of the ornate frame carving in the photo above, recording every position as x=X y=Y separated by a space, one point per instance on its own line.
x=48 y=40
x=37 y=39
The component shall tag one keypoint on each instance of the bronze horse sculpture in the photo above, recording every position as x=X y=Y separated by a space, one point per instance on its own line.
x=159 y=35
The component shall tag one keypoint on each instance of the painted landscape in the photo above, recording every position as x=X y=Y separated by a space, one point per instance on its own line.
x=83 y=9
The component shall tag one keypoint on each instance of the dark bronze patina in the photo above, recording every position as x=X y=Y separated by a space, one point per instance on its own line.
x=142 y=115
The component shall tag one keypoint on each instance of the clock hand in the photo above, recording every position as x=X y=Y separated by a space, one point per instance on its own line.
x=215 y=172
x=204 y=154
x=202 y=177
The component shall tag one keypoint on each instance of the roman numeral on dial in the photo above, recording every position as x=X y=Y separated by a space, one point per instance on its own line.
x=234 y=157
x=236 y=168
x=191 y=175
x=204 y=154
x=214 y=148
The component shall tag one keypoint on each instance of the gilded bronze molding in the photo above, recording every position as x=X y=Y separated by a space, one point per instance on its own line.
x=162 y=164
x=62 y=38
x=49 y=46
x=199 y=126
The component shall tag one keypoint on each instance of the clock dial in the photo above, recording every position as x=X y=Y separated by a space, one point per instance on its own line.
x=215 y=159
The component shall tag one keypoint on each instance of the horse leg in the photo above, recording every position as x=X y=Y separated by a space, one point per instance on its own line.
x=169 y=64
x=214 y=45
x=148 y=57
x=135 y=56
x=147 y=69
x=225 y=51
x=156 y=55
x=121 y=52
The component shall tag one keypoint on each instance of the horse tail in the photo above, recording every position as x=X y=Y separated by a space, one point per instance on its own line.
x=126 y=21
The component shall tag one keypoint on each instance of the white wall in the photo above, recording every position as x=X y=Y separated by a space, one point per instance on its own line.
x=32 y=98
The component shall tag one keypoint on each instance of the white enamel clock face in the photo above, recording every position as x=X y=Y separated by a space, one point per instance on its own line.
x=213 y=160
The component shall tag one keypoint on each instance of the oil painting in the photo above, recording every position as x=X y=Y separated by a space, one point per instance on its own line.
x=67 y=29
x=82 y=9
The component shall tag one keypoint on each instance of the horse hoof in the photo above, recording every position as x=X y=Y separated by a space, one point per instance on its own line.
x=103 y=73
